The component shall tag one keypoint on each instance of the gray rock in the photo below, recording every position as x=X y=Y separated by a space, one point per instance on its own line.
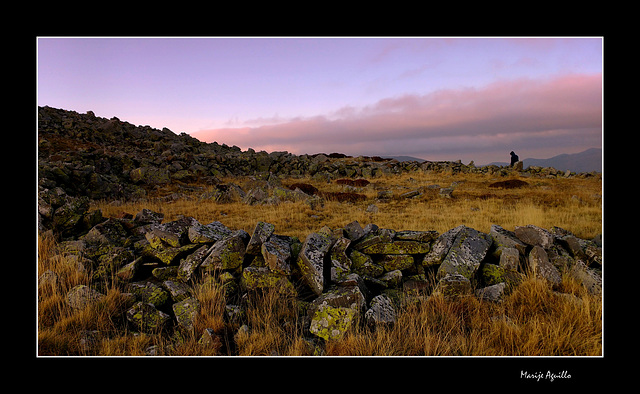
x=146 y=318
x=190 y=264
x=467 y=252
x=186 y=312
x=340 y=262
x=82 y=296
x=149 y=292
x=276 y=253
x=503 y=238
x=510 y=259
x=179 y=291
x=261 y=234
x=542 y=267
x=590 y=278
x=311 y=261
x=212 y=232
x=492 y=293
x=535 y=236
x=452 y=286
x=331 y=323
x=228 y=253
x=381 y=311
x=254 y=278
x=441 y=247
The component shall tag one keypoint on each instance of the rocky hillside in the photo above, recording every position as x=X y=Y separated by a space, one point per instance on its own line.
x=86 y=155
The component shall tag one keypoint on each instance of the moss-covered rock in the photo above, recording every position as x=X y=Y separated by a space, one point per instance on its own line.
x=452 y=286
x=228 y=253
x=363 y=264
x=468 y=250
x=254 y=278
x=146 y=318
x=331 y=323
x=261 y=234
x=311 y=261
x=186 y=312
x=392 y=262
x=149 y=292
x=491 y=274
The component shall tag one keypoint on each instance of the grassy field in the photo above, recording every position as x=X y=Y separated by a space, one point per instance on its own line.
x=533 y=320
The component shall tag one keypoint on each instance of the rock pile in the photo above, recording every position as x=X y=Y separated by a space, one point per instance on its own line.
x=86 y=155
x=341 y=276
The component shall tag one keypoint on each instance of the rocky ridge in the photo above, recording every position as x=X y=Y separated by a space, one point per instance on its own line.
x=339 y=276
x=86 y=155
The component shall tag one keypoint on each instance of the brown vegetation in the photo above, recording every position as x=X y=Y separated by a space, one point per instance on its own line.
x=534 y=319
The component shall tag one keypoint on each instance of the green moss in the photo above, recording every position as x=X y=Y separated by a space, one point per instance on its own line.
x=397 y=247
x=331 y=323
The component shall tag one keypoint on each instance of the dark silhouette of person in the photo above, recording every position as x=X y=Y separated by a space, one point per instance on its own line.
x=514 y=159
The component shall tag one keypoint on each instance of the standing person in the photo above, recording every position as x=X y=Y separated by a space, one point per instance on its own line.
x=514 y=159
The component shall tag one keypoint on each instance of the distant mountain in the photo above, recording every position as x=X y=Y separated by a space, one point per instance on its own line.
x=405 y=158
x=586 y=161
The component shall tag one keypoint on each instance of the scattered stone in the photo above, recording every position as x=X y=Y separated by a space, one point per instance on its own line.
x=381 y=312
x=539 y=262
x=452 y=286
x=311 y=261
x=468 y=250
x=146 y=318
x=82 y=296
x=186 y=312
x=331 y=323
x=492 y=293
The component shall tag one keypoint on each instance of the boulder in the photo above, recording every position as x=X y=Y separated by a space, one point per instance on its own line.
x=419 y=236
x=179 y=291
x=331 y=323
x=82 y=296
x=394 y=262
x=191 y=263
x=276 y=253
x=146 y=318
x=311 y=261
x=397 y=247
x=452 y=286
x=441 y=247
x=228 y=253
x=492 y=293
x=209 y=233
x=186 y=312
x=466 y=253
x=150 y=175
x=503 y=238
x=363 y=264
x=510 y=259
x=147 y=216
x=347 y=296
x=590 y=278
x=261 y=234
x=534 y=236
x=381 y=311
x=149 y=292
x=340 y=262
x=542 y=267
x=257 y=278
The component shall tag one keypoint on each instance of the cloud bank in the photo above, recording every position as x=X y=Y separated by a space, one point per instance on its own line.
x=533 y=117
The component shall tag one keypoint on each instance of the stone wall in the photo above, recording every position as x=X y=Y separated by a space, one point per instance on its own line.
x=338 y=274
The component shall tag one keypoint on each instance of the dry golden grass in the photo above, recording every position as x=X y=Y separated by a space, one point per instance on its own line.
x=532 y=320
x=573 y=204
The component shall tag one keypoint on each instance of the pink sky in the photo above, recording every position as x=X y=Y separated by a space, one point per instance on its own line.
x=542 y=117
x=436 y=98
